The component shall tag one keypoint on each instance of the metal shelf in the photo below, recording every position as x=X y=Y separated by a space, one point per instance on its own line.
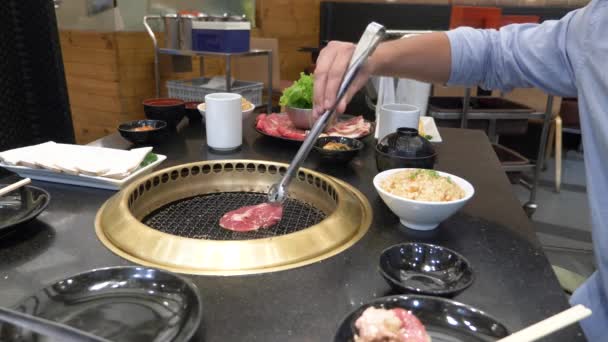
x=254 y=52
x=189 y=53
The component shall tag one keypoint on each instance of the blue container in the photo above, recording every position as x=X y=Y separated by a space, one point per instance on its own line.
x=221 y=36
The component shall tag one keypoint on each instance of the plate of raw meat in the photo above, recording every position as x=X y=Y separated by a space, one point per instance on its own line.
x=278 y=125
x=415 y=318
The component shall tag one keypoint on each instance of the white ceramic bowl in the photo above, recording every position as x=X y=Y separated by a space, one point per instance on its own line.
x=246 y=113
x=422 y=215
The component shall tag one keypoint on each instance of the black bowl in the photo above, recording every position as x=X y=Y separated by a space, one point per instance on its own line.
x=444 y=320
x=172 y=111
x=192 y=111
x=158 y=134
x=425 y=268
x=337 y=156
x=405 y=149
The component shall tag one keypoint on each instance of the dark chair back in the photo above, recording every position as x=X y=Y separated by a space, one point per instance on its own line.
x=34 y=105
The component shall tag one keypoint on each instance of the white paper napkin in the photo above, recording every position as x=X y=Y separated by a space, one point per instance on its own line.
x=77 y=159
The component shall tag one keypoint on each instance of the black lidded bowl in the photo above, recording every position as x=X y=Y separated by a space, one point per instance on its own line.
x=405 y=148
x=172 y=111
x=330 y=156
x=156 y=135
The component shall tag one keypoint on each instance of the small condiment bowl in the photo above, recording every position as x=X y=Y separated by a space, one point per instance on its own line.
x=333 y=156
x=422 y=215
x=416 y=267
x=128 y=131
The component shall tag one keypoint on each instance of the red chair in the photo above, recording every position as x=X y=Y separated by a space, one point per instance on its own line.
x=473 y=16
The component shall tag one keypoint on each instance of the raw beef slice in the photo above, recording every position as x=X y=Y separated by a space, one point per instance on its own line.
x=252 y=217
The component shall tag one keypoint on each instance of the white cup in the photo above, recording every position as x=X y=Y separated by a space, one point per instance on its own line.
x=223 y=121
x=393 y=116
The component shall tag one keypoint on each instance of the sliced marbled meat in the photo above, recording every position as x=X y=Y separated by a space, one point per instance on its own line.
x=252 y=217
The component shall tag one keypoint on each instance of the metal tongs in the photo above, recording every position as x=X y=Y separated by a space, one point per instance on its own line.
x=374 y=33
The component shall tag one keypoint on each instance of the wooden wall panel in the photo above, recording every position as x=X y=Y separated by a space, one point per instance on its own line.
x=295 y=24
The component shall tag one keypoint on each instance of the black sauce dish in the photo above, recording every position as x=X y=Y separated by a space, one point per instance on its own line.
x=405 y=148
x=128 y=130
x=337 y=156
x=426 y=269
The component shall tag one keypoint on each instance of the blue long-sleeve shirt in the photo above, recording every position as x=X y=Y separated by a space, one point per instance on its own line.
x=567 y=57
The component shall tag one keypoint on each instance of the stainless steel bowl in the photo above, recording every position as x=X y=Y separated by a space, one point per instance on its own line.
x=302 y=118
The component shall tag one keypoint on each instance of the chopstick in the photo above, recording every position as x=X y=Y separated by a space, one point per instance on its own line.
x=14 y=186
x=48 y=328
x=549 y=325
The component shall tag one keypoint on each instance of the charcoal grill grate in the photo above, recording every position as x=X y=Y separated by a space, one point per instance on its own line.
x=198 y=217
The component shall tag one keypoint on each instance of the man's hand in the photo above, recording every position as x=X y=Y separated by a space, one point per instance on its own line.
x=331 y=66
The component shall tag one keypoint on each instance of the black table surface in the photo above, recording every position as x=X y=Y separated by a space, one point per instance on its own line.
x=514 y=281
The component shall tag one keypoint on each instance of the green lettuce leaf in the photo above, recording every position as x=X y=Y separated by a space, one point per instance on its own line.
x=299 y=94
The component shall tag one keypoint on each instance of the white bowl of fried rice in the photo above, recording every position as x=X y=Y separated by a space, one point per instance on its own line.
x=422 y=199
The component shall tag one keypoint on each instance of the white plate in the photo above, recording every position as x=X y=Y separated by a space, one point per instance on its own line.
x=83 y=180
x=430 y=128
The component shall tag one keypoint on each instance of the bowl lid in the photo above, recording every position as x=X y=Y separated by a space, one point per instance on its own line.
x=406 y=143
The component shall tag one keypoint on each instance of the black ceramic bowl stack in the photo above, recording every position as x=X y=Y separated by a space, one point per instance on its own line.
x=405 y=149
x=172 y=111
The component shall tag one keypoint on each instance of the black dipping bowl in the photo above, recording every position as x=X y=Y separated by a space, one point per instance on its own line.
x=444 y=320
x=405 y=149
x=329 y=156
x=424 y=268
x=172 y=111
x=144 y=137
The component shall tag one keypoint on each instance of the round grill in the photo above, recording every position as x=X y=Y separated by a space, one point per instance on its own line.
x=198 y=217
x=170 y=219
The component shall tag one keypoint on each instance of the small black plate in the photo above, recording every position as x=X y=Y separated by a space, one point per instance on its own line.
x=20 y=206
x=444 y=320
x=425 y=268
x=121 y=304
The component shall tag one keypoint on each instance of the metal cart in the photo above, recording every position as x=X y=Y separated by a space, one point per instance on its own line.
x=227 y=56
